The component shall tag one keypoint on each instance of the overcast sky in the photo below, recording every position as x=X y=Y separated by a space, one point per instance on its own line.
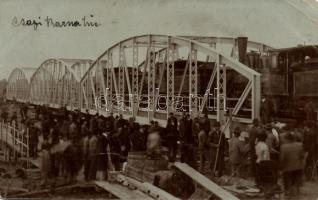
x=279 y=23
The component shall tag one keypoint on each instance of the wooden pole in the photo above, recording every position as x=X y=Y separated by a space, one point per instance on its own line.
x=220 y=140
x=20 y=140
x=217 y=152
x=7 y=152
x=14 y=140
x=1 y=136
x=27 y=149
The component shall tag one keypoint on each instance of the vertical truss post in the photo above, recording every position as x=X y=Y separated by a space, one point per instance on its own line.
x=47 y=84
x=33 y=84
x=73 y=91
x=93 y=97
x=83 y=86
x=97 y=79
x=44 y=85
x=102 y=78
x=151 y=79
x=41 y=87
x=66 y=86
x=71 y=96
x=49 y=80
x=74 y=81
x=161 y=71
x=170 y=76
x=56 y=83
x=221 y=90
x=63 y=84
x=42 y=93
x=135 y=79
x=121 y=78
x=18 y=87
x=79 y=86
x=53 y=83
x=60 y=88
x=109 y=81
x=127 y=81
x=193 y=72
x=87 y=90
x=38 y=95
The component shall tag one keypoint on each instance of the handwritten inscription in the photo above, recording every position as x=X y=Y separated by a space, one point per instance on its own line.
x=49 y=22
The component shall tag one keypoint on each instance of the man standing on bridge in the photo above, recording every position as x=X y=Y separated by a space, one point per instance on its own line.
x=187 y=141
x=33 y=141
x=172 y=137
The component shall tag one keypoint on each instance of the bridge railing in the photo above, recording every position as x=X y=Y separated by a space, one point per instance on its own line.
x=14 y=142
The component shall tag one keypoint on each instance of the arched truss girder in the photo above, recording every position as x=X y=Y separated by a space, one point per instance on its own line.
x=164 y=49
x=212 y=41
x=215 y=42
x=18 y=86
x=56 y=82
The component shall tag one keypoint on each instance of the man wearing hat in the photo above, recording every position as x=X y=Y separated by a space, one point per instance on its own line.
x=272 y=142
x=33 y=140
x=236 y=151
x=253 y=134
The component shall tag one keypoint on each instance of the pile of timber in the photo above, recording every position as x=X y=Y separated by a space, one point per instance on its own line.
x=33 y=174
x=141 y=167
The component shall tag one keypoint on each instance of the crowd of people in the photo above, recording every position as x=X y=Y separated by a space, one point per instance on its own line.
x=73 y=140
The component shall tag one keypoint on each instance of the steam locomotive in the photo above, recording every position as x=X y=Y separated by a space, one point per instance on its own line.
x=289 y=79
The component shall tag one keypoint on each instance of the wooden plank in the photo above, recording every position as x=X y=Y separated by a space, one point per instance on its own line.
x=36 y=162
x=205 y=182
x=122 y=192
x=158 y=193
x=40 y=193
x=147 y=188
x=13 y=189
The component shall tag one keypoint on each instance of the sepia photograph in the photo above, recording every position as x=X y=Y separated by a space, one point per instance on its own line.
x=159 y=99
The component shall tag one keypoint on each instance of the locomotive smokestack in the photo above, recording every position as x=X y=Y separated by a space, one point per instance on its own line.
x=242 y=47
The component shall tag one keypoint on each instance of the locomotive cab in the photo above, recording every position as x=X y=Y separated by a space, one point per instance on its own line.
x=290 y=79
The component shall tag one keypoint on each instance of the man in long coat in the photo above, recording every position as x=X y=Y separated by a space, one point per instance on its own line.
x=172 y=137
x=187 y=141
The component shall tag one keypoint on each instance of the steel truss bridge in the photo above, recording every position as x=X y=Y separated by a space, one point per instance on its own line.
x=147 y=77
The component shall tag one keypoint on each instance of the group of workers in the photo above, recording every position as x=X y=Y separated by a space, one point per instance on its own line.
x=75 y=140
